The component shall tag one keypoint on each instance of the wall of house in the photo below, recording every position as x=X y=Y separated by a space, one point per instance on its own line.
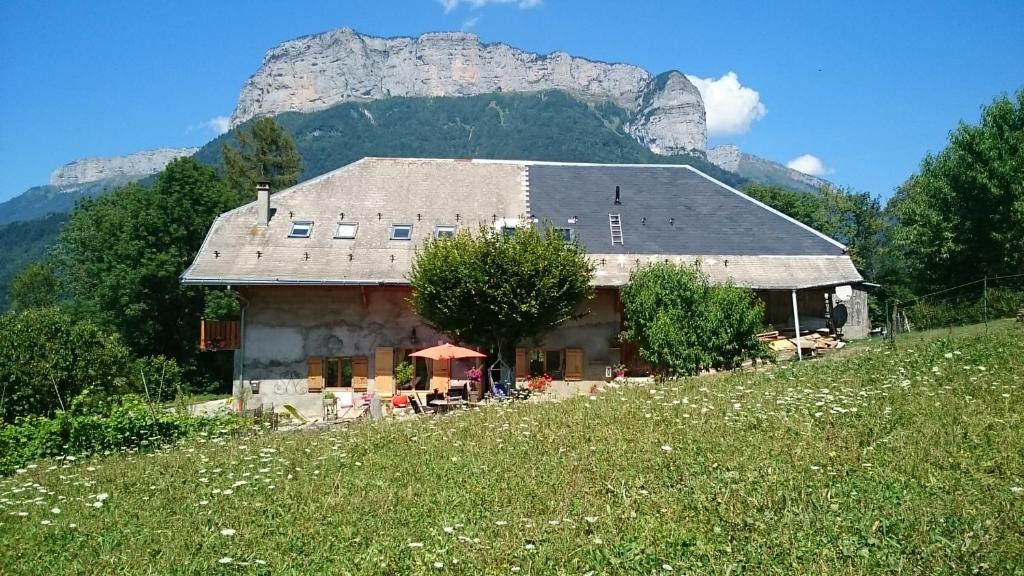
x=595 y=332
x=858 y=322
x=285 y=326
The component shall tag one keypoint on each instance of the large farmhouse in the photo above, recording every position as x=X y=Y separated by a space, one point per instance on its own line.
x=321 y=267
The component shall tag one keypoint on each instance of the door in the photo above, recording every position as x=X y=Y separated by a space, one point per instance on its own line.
x=573 y=364
x=384 y=371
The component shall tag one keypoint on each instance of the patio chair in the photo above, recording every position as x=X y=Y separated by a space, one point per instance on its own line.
x=351 y=406
x=424 y=406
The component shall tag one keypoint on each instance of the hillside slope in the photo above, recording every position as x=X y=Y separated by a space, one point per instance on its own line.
x=549 y=125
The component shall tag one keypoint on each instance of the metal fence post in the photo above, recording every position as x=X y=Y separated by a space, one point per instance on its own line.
x=984 y=300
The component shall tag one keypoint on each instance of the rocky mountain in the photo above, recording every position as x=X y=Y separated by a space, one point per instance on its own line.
x=133 y=166
x=316 y=72
x=85 y=178
x=762 y=171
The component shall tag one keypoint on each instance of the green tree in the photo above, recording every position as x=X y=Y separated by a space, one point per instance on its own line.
x=682 y=324
x=35 y=287
x=495 y=290
x=121 y=256
x=961 y=216
x=265 y=152
x=46 y=352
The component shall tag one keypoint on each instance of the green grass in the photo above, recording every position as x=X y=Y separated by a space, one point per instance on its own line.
x=905 y=460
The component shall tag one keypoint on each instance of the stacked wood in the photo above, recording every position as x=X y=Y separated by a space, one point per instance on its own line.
x=811 y=343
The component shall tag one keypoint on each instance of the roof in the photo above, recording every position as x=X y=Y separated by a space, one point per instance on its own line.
x=666 y=210
x=714 y=224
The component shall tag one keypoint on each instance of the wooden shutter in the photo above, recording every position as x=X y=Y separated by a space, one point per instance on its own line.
x=573 y=364
x=384 y=371
x=522 y=366
x=316 y=374
x=360 y=373
x=440 y=374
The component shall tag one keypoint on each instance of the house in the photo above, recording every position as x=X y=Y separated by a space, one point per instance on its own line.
x=321 y=267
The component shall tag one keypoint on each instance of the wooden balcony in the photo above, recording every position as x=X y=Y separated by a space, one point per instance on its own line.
x=217 y=335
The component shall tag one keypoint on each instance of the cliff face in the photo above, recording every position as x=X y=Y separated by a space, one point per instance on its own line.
x=316 y=72
x=757 y=169
x=132 y=166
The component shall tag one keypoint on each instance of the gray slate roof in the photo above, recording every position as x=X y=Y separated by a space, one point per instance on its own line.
x=734 y=238
x=666 y=210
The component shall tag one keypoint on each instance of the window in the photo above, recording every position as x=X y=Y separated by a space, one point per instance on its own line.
x=346 y=230
x=564 y=233
x=508 y=230
x=301 y=229
x=346 y=372
x=546 y=362
x=444 y=231
x=401 y=231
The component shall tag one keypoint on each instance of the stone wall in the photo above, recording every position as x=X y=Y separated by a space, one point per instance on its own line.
x=286 y=325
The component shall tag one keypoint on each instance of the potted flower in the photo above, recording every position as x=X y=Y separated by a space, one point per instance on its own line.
x=475 y=376
x=403 y=375
x=619 y=371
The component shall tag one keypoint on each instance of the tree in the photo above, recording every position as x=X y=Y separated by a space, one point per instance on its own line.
x=682 y=324
x=47 y=357
x=495 y=290
x=961 y=216
x=265 y=153
x=35 y=287
x=121 y=256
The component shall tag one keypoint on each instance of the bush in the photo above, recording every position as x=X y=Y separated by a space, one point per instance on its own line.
x=46 y=351
x=682 y=324
x=927 y=314
x=95 y=424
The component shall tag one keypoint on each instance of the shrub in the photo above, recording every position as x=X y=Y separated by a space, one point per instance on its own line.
x=404 y=373
x=682 y=324
x=46 y=351
x=96 y=425
x=929 y=313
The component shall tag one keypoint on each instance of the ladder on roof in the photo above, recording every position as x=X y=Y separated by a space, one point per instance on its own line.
x=615 y=224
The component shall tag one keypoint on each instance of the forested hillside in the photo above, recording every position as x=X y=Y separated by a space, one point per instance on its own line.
x=541 y=126
x=24 y=242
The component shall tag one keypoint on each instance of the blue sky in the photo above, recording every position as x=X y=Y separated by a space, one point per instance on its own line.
x=865 y=87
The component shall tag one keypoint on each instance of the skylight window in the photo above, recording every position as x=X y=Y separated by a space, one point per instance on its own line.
x=401 y=231
x=301 y=229
x=564 y=233
x=444 y=231
x=346 y=230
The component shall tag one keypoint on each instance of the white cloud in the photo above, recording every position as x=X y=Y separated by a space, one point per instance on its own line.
x=450 y=5
x=731 y=107
x=470 y=23
x=218 y=125
x=809 y=164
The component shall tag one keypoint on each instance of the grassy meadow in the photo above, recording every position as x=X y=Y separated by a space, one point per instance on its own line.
x=887 y=460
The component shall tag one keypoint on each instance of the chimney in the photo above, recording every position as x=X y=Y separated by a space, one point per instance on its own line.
x=617 y=200
x=263 y=203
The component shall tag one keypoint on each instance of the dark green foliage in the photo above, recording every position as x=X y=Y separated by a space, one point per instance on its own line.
x=22 y=243
x=496 y=290
x=961 y=217
x=35 y=287
x=222 y=304
x=121 y=256
x=550 y=126
x=964 y=308
x=683 y=324
x=46 y=351
x=94 y=426
x=264 y=152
